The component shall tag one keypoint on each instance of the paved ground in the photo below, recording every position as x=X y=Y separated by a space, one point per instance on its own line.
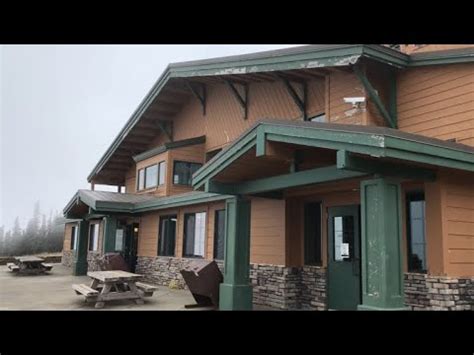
x=53 y=291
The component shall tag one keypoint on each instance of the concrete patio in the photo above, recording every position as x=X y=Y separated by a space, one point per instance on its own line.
x=54 y=292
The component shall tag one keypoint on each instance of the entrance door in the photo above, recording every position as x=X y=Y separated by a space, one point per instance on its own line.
x=344 y=280
x=130 y=246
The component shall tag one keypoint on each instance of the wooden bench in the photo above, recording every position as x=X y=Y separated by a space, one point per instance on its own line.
x=146 y=289
x=13 y=267
x=85 y=290
x=47 y=267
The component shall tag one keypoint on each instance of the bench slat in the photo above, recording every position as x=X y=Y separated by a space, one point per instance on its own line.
x=85 y=290
x=146 y=287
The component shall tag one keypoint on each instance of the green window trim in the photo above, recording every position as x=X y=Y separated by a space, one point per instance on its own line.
x=167 y=240
x=219 y=234
x=416 y=263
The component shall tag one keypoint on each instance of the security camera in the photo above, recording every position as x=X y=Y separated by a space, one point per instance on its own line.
x=355 y=101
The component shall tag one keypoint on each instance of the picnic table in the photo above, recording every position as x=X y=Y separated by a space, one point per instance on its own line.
x=29 y=265
x=114 y=285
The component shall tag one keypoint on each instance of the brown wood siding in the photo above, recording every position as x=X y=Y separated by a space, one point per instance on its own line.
x=438 y=101
x=224 y=120
x=131 y=180
x=413 y=48
x=67 y=235
x=344 y=84
x=267 y=231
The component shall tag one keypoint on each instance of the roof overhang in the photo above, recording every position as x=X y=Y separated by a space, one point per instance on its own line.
x=302 y=57
x=374 y=142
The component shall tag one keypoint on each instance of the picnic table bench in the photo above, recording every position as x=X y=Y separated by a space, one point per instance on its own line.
x=29 y=265
x=114 y=285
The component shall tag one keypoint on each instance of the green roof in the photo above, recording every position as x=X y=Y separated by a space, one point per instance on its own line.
x=114 y=202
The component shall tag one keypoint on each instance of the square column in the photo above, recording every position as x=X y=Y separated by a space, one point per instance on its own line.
x=382 y=273
x=110 y=228
x=79 y=266
x=236 y=291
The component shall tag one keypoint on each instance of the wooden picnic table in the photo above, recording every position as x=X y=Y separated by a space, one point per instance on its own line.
x=114 y=285
x=29 y=265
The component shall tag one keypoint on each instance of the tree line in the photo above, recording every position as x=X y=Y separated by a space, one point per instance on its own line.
x=41 y=235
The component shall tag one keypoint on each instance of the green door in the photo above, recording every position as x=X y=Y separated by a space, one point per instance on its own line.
x=344 y=280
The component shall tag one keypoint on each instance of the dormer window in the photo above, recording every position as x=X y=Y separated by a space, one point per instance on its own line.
x=151 y=176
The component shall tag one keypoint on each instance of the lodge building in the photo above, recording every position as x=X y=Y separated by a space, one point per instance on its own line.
x=318 y=177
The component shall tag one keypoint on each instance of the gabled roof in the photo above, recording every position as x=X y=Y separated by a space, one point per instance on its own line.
x=103 y=201
x=372 y=141
x=295 y=58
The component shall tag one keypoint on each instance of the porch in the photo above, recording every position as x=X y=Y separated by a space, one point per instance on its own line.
x=351 y=184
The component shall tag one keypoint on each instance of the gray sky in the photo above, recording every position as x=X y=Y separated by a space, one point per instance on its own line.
x=61 y=107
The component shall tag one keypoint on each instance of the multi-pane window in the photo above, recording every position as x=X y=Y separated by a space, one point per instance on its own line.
x=183 y=172
x=73 y=237
x=119 y=234
x=219 y=235
x=167 y=236
x=151 y=176
x=416 y=232
x=94 y=237
x=194 y=234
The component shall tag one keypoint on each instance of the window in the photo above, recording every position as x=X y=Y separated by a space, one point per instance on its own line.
x=183 y=171
x=73 y=237
x=219 y=235
x=141 y=179
x=194 y=234
x=167 y=236
x=119 y=240
x=93 y=237
x=151 y=176
x=416 y=232
x=318 y=118
x=312 y=233
x=162 y=170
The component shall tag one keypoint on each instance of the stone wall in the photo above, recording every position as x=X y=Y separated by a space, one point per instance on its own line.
x=273 y=286
x=67 y=258
x=93 y=260
x=427 y=292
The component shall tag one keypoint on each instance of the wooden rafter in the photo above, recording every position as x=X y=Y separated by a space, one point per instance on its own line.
x=300 y=101
x=167 y=128
x=241 y=99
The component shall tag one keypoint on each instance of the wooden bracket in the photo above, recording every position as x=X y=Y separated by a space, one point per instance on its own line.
x=242 y=100
x=199 y=94
x=301 y=102
x=167 y=128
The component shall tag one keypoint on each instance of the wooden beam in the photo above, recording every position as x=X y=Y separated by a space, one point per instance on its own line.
x=349 y=162
x=391 y=121
x=167 y=128
x=300 y=101
x=241 y=99
x=300 y=178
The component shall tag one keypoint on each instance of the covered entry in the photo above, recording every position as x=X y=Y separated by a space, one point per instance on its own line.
x=274 y=158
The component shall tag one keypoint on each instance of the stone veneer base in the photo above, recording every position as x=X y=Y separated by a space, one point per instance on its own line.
x=67 y=258
x=93 y=261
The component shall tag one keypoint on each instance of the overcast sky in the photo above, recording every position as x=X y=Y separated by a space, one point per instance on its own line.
x=61 y=107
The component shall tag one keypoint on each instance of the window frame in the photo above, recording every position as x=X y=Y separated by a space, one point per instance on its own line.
x=73 y=244
x=175 y=162
x=95 y=242
x=185 y=235
x=413 y=196
x=157 y=182
x=160 y=234
x=307 y=219
x=216 y=228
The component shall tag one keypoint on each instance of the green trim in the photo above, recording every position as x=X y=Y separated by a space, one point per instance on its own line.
x=79 y=266
x=110 y=227
x=453 y=56
x=374 y=96
x=346 y=161
x=236 y=291
x=169 y=146
x=300 y=178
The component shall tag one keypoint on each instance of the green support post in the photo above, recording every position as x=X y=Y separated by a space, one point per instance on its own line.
x=79 y=266
x=382 y=274
x=110 y=227
x=236 y=291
